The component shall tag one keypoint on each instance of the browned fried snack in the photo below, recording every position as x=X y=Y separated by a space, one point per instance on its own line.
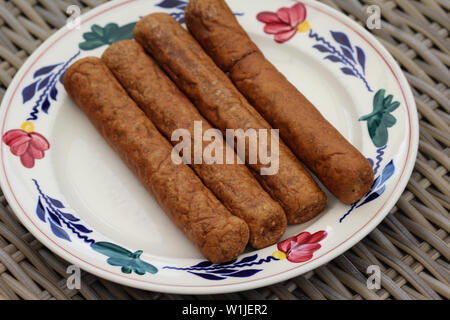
x=218 y=234
x=221 y=103
x=169 y=110
x=335 y=161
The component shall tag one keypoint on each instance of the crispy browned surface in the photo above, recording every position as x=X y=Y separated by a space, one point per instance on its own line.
x=219 y=235
x=217 y=30
x=225 y=108
x=338 y=164
x=169 y=109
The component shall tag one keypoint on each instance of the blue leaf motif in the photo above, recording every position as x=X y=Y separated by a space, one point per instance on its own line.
x=244 y=273
x=203 y=264
x=170 y=3
x=376 y=183
x=44 y=82
x=388 y=171
x=379 y=185
x=57 y=219
x=56 y=203
x=54 y=218
x=68 y=216
x=81 y=228
x=29 y=91
x=207 y=276
x=321 y=48
x=45 y=70
x=233 y=269
x=342 y=51
x=223 y=271
x=373 y=196
x=53 y=93
x=40 y=211
x=333 y=58
x=347 y=53
x=342 y=39
x=46 y=105
x=248 y=259
x=361 y=58
x=59 y=232
x=348 y=71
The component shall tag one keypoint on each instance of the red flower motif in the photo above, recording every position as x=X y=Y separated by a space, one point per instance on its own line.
x=284 y=23
x=26 y=145
x=301 y=248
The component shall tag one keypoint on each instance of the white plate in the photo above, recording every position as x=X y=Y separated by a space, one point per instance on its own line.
x=84 y=204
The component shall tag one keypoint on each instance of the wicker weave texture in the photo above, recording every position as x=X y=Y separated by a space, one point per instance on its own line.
x=411 y=245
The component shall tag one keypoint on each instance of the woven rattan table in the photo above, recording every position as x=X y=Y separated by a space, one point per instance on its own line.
x=411 y=245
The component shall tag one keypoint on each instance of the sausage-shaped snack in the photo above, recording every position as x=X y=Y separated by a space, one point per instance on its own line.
x=221 y=103
x=218 y=234
x=335 y=161
x=169 y=110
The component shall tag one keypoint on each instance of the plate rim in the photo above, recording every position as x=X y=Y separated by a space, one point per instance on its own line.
x=270 y=279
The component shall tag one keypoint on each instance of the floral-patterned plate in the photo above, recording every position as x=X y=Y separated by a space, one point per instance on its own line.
x=77 y=197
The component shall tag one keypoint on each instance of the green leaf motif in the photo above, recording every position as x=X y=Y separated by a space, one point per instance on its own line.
x=100 y=36
x=381 y=118
x=121 y=257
